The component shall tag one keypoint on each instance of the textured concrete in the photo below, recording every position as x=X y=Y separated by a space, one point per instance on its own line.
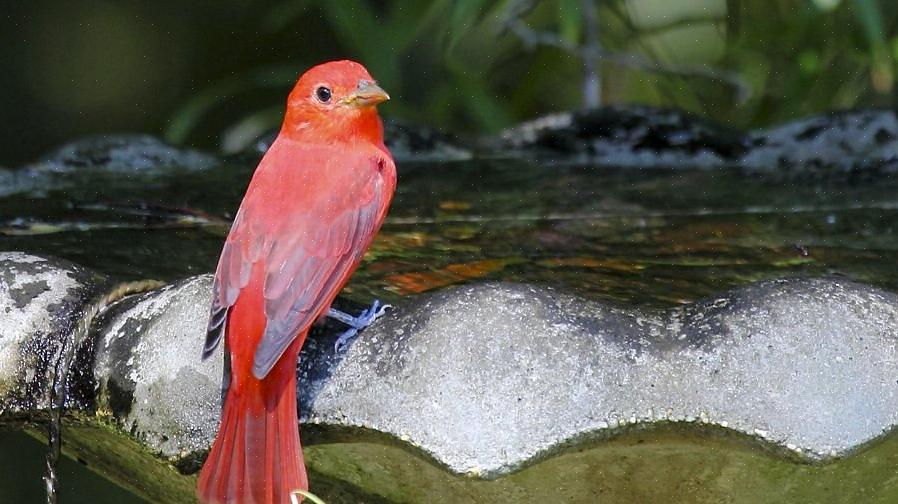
x=148 y=371
x=40 y=302
x=487 y=377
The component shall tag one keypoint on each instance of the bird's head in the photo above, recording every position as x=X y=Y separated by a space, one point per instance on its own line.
x=333 y=101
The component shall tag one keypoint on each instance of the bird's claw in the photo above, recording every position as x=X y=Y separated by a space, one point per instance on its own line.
x=356 y=324
x=373 y=313
x=344 y=338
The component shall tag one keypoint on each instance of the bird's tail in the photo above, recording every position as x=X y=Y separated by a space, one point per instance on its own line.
x=256 y=457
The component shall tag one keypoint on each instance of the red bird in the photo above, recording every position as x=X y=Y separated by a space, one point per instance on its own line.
x=313 y=206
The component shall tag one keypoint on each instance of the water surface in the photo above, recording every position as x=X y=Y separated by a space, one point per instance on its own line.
x=638 y=236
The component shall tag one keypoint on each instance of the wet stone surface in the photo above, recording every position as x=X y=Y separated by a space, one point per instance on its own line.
x=857 y=140
x=123 y=153
x=148 y=373
x=625 y=136
x=40 y=302
x=491 y=377
x=488 y=377
x=413 y=143
x=644 y=236
x=643 y=136
x=636 y=236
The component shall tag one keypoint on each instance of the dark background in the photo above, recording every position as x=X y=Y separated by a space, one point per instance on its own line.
x=213 y=74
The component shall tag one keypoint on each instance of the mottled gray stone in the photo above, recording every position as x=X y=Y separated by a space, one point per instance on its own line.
x=148 y=370
x=20 y=181
x=123 y=153
x=624 y=135
x=847 y=140
x=487 y=377
x=40 y=302
x=639 y=136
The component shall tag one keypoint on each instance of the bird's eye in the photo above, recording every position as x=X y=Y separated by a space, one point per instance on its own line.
x=323 y=94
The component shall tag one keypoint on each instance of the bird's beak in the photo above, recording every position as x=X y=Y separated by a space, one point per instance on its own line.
x=367 y=94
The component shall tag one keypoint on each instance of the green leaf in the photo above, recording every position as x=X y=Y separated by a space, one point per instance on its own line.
x=809 y=61
x=570 y=20
x=478 y=99
x=465 y=14
x=314 y=499
x=191 y=114
x=408 y=25
x=249 y=128
x=881 y=71
x=356 y=24
x=359 y=28
x=870 y=17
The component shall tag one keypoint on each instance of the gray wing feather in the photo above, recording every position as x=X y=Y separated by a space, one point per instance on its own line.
x=218 y=316
x=300 y=285
x=234 y=259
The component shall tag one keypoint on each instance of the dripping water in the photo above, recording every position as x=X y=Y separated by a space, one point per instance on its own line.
x=61 y=370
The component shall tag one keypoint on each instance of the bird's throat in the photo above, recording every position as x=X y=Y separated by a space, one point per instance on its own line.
x=350 y=126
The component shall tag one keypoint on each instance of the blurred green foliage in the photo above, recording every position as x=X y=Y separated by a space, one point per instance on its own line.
x=216 y=74
x=480 y=65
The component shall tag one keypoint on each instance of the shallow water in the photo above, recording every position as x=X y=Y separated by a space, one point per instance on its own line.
x=22 y=464
x=637 y=236
x=663 y=463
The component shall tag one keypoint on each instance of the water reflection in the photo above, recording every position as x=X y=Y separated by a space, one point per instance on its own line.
x=641 y=236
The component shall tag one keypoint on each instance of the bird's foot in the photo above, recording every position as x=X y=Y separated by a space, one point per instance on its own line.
x=356 y=324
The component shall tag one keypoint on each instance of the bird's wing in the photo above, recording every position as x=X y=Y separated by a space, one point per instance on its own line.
x=308 y=257
x=304 y=273
x=243 y=247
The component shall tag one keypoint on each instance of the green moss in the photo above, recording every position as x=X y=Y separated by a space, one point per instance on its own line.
x=659 y=465
x=124 y=461
x=669 y=463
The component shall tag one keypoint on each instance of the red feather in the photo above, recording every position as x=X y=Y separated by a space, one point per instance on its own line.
x=313 y=207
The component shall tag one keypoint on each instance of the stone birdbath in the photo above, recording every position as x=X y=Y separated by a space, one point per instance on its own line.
x=618 y=305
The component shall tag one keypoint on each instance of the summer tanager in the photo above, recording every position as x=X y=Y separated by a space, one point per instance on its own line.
x=313 y=206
